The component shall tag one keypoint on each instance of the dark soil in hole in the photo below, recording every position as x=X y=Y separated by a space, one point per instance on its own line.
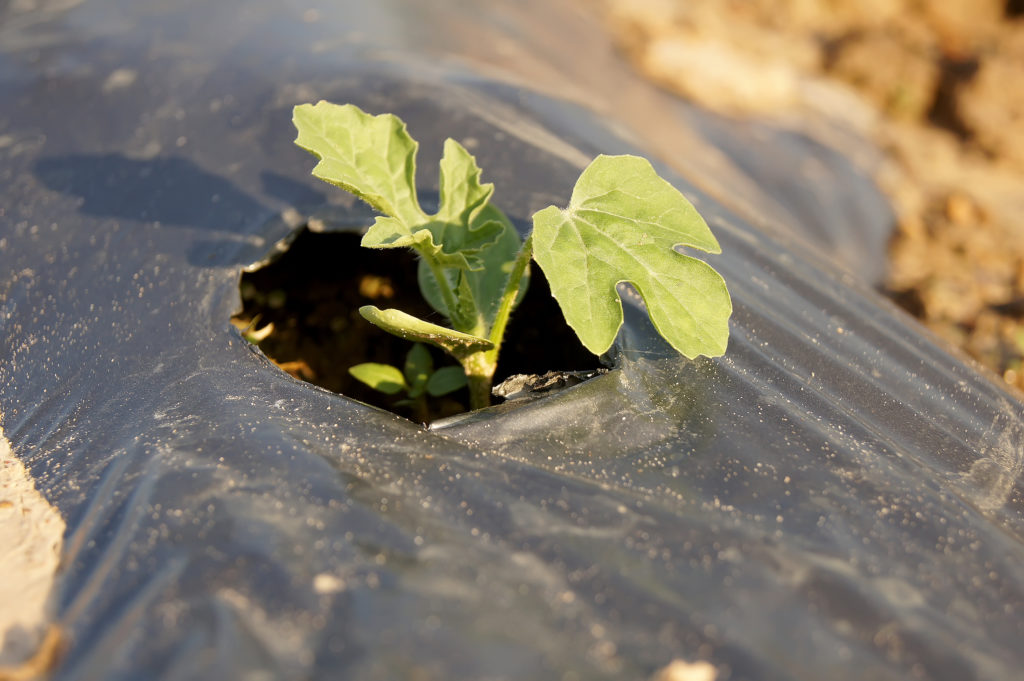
x=312 y=293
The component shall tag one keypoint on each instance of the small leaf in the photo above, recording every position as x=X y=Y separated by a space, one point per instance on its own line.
x=488 y=283
x=404 y=325
x=446 y=380
x=383 y=377
x=462 y=195
x=622 y=225
x=462 y=199
x=418 y=367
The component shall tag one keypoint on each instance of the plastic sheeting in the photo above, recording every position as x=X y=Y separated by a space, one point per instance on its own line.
x=836 y=498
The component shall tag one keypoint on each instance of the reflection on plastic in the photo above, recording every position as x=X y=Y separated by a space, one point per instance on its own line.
x=836 y=498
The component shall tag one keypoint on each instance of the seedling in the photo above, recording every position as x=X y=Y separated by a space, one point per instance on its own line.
x=416 y=379
x=623 y=224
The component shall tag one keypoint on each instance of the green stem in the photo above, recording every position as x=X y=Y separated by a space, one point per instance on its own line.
x=479 y=376
x=420 y=410
x=442 y=284
x=508 y=298
x=480 y=366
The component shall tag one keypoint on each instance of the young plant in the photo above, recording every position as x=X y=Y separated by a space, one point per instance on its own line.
x=416 y=379
x=623 y=224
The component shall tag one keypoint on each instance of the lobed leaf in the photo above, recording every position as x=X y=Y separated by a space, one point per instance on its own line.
x=371 y=156
x=622 y=225
x=462 y=200
x=388 y=232
x=375 y=158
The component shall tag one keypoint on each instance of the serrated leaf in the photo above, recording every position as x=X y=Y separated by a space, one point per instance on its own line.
x=388 y=232
x=382 y=377
x=419 y=365
x=446 y=380
x=404 y=325
x=462 y=198
x=371 y=156
x=622 y=225
x=375 y=158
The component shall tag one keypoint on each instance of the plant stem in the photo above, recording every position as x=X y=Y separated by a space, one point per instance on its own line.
x=446 y=291
x=480 y=366
x=508 y=298
x=479 y=376
x=420 y=410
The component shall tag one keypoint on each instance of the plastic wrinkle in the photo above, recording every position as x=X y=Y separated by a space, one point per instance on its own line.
x=836 y=498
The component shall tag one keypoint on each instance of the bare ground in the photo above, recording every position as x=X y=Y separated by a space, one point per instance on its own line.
x=936 y=85
x=31 y=534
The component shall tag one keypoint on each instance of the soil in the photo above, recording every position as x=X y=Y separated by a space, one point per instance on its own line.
x=302 y=311
x=31 y=534
x=936 y=85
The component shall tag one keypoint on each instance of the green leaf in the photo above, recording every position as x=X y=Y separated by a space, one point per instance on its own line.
x=462 y=199
x=383 y=377
x=404 y=325
x=371 y=156
x=419 y=365
x=424 y=238
x=446 y=380
x=462 y=195
x=622 y=225
x=375 y=158
x=486 y=284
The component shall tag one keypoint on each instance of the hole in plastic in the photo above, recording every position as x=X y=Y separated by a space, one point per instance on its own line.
x=301 y=309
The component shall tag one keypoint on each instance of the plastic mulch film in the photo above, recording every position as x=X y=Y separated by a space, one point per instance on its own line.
x=835 y=498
